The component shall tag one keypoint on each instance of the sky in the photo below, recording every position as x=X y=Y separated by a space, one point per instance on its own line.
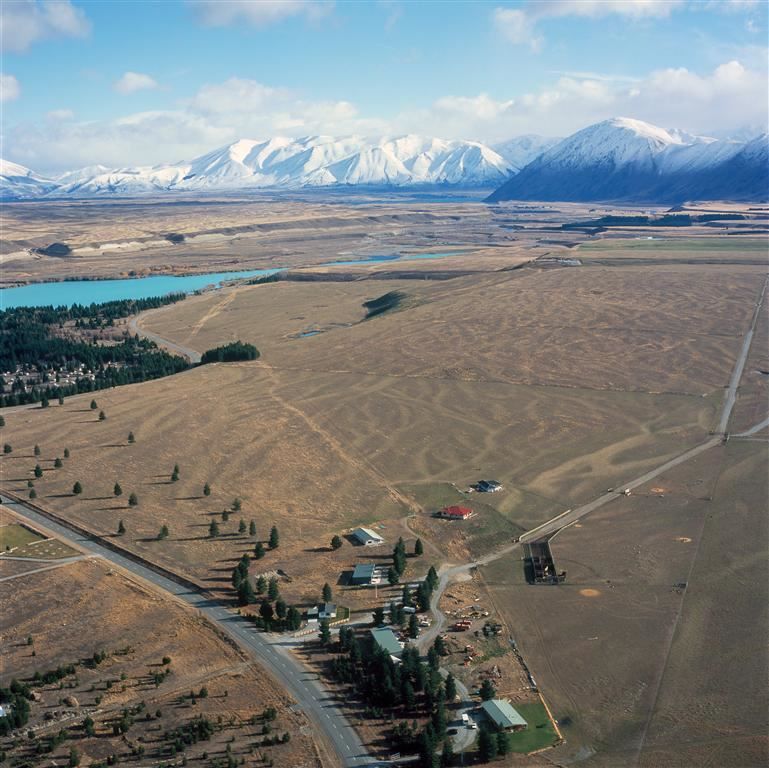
x=139 y=83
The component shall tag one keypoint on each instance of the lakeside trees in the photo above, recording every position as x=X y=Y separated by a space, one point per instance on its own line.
x=52 y=340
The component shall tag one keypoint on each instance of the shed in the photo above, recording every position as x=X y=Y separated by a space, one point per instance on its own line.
x=489 y=486
x=456 y=513
x=385 y=639
x=367 y=537
x=363 y=573
x=322 y=611
x=502 y=713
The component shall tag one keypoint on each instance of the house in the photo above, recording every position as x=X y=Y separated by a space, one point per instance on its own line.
x=363 y=574
x=366 y=537
x=385 y=639
x=322 y=611
x=503 y=715
x=488 y=486
x=456 y=513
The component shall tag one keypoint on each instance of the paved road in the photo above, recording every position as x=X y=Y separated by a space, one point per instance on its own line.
x=191 y=354
x=739 y=366
x=299 y=682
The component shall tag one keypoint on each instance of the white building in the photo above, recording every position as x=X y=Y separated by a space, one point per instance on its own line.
x=367 y=537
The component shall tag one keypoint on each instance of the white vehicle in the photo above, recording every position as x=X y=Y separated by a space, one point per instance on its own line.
x=465 y=718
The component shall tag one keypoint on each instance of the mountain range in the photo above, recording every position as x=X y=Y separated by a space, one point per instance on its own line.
x=616 y=160
x=628 y=160
x=314 y=161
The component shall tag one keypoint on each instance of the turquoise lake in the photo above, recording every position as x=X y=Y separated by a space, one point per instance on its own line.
x=98 y=291
x=71 y=292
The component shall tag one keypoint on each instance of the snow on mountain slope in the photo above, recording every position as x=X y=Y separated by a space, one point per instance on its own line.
x=617 y=159
x=296 y=163
x=325 y=160
x=18 y=181
x=626 y=159
x=125 y=181
x=521 y=150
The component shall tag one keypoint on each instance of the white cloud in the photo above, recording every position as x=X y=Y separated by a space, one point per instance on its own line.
x=60 y=114
x=608 y=78
x=520 y=25
x=23 y=22
x=394 y=11
x=217 y=114
x=236 y=95
x=257 y=13
x=730 y=96
x=636 y=9
x=517 y=27
x=130 y=82
x=9 y=88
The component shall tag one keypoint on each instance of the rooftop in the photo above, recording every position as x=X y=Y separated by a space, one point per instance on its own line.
x=363 y=571
x=386 y=640
x=362 y=534
x=457 y=511
x=502 y=713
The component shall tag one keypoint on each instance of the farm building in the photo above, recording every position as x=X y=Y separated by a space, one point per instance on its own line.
x=363 y=573
x=456 y=513
x=385 y=639
x=488 y=486
x=322 y=611
x=503 y=715
x=367 y=537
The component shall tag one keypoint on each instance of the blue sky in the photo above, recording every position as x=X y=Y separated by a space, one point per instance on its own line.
x=144 y=82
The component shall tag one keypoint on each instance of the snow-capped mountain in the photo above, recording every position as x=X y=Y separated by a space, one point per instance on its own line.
x=313 y=161
x=98 y=180
x=521 y=150
x=620 y=159
x=17 y=181
x=625 y=159
x=326 y=161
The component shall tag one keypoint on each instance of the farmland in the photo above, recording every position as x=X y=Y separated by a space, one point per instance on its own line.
x=652 y=595
x=557 y=381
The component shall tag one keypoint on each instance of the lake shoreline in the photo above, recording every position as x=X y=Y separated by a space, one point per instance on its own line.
x=195 y=281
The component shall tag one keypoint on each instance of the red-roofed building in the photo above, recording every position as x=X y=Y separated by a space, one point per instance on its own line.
x=456 y=513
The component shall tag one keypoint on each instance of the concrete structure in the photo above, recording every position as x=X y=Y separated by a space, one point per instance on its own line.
x=456 y=513
x=503 y=715
x=385 y=639
x=322 y=611
x=367 y=537
x=363 y=573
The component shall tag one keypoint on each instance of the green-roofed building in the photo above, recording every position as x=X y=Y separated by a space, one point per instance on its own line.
x=385 y=639
x=363 y=573
x=503 y=715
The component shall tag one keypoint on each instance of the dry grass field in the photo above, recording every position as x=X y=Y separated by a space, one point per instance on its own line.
x=683 y=247
x=136 y=629
x=130 y=237
x=643 y=670
x=558 y=382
